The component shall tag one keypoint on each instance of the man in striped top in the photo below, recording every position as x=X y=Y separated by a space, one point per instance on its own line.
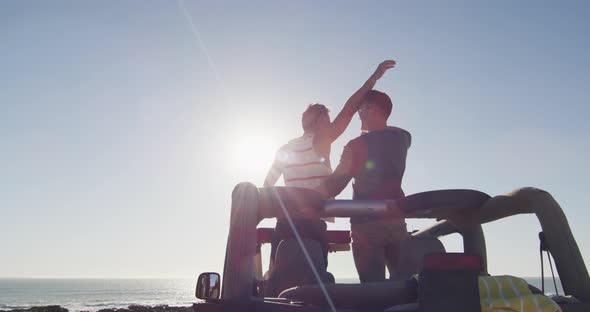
x=305 y=161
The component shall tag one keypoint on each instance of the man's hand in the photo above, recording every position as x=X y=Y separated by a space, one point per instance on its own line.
x=382 y=68
x=322 y=190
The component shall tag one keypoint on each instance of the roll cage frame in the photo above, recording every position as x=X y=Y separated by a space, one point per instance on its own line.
x=456 y=211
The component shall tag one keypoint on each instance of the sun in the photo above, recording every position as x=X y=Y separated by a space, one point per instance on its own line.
x=254 y=154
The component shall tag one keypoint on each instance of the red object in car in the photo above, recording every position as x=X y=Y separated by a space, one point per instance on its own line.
x=452 y=261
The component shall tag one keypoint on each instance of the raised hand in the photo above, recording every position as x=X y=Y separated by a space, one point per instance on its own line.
x=382 y=68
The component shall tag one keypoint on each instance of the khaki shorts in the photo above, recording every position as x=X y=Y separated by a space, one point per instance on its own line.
x=375 y=245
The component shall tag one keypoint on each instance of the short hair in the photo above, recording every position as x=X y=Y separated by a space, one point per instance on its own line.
x=381 y=100
x=311 y=114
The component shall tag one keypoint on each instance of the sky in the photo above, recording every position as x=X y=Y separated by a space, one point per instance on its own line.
x=124 y=125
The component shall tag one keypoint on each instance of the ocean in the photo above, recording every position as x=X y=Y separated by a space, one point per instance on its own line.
x=96 y=294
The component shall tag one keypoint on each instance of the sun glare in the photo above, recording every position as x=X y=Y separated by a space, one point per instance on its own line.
x=254 y=155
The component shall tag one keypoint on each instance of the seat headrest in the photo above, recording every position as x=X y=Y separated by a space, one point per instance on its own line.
x=411 y=256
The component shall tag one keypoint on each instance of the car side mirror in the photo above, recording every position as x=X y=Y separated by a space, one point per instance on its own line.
x=208 y=286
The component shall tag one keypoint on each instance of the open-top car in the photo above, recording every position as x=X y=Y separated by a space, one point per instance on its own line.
x=427 y=278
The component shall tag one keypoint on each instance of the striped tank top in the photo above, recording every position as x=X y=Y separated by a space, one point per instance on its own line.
x=301 y=165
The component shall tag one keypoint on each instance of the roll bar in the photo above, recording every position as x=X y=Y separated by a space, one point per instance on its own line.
x=463 y=211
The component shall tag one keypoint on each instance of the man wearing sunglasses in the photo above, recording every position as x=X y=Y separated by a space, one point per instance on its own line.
x=305 y=161
x=377 y=161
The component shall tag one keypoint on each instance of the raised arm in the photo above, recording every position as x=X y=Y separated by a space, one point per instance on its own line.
x=337 y=127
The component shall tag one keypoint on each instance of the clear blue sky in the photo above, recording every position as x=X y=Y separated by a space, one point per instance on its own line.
x=120 y=141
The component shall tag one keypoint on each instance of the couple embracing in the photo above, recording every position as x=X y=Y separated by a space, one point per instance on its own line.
x=376 y=160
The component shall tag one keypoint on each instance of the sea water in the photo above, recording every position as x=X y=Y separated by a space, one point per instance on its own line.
x=96 y=294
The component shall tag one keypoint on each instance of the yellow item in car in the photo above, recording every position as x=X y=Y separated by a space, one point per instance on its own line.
x=509 y=293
